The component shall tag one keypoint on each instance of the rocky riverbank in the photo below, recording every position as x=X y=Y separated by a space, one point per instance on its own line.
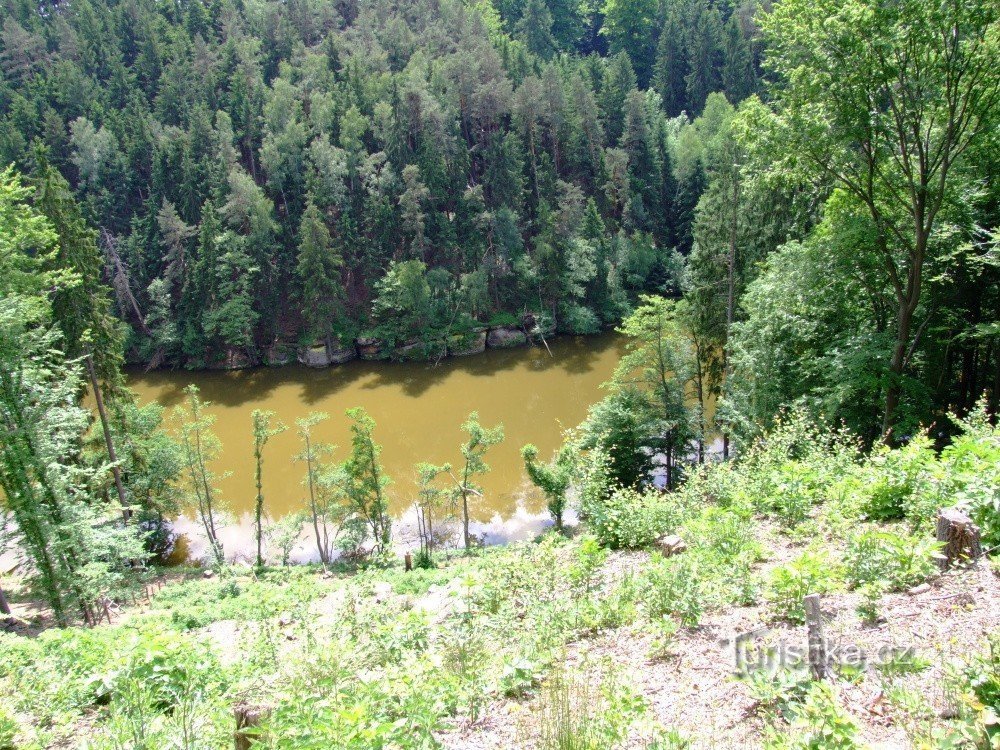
x=530 y=329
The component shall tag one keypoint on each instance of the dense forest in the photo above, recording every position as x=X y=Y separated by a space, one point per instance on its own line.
x=267 y=174
x=308 y=171
x=789 y=211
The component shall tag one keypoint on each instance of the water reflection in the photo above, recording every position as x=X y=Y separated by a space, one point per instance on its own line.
x=418 y=407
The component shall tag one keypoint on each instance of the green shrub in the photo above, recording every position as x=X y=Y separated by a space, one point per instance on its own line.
x=895 y=561
x=868 y=606
x=586 y=710
x=809 y=573
x=980 y=683
x=503 y=319
x=890 y=478
x=796 y=465
x=672 y=587
x=8 y=729
x=630 y=519
x=819 y=723
x=969 y=473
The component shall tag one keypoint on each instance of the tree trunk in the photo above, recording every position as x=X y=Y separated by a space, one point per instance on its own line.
x=465 y=519
x=896 y=364
x=4 y=606
x=109 y=443
x=959 y=536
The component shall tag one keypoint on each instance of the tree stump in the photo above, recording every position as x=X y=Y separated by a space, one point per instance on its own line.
x=817 y=644
x=959 y=536
x=248 y=720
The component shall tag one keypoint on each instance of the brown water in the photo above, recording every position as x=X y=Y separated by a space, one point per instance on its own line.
x=418 y=408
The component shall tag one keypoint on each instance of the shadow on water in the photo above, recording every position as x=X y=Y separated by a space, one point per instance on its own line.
x=418 y=407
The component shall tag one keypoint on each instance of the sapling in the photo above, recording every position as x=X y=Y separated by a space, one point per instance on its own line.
x=264 y=428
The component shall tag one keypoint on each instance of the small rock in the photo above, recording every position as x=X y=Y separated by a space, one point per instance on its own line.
x=923 y=588
x=670 y=544
x=208 y=574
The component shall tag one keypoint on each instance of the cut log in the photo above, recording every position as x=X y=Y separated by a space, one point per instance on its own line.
x=248 y=720
x=670 y=545
x=959 y=536
x=817 y=644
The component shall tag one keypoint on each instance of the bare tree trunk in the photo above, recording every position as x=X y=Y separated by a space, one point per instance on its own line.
x=109 y=443
x=4 y=606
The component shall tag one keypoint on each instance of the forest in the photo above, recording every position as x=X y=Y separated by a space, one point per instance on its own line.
x=789 y=211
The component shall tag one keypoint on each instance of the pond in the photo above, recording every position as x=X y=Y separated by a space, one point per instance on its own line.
x=418 y=408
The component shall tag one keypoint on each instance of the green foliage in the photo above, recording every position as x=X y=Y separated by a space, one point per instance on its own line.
x=871 y=597
x=892 y=479
x=200 y=447
x=809 y=573
x=981 y=681
x=474 y=449
x=553 y=479
x=896 y=561
x=629 y=519
x=673 y=587
x=584 y=712
x=365 y=481
x=77 y=547
x=819 y=722
x=8 y=730
x=621 y=427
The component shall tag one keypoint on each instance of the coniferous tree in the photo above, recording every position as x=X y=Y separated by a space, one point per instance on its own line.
x=704 y=47
x=318 y=271
x=670 y=70
x=535 y=29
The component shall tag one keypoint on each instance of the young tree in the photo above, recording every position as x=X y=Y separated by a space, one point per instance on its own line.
x=264 y=428
x=82 y=311
x=621 y=429
x=630 y=26
x=659 y=361
x=553 y=478
x=430 y=498
x=200 y=447
x=480 y=440
x=365 y=481
x=312 y=454
x=885 y=115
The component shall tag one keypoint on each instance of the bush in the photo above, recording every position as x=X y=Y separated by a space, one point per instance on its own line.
x=819 y=723
x=981 y=680
x=891 y=478
x=672 y=587
x=8 y=730
x=969 y=473
x=895 y=561
x=503 y=320
x=630 y=519
x=809 y=573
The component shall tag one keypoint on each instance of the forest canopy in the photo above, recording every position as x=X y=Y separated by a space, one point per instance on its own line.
x=263 y=175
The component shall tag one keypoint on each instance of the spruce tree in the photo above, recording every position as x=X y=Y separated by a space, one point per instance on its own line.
x=318 y=271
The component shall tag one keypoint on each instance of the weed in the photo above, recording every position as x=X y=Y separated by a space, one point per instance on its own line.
x=809 y=573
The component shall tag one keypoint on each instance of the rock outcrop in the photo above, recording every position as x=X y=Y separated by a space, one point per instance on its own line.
x=506 y=337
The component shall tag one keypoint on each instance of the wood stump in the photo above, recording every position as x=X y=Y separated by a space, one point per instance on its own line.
x=959 y=536
x=248 y=720
x=817 y=643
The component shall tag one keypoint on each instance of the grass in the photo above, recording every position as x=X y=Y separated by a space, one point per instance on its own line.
x=374 y=658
